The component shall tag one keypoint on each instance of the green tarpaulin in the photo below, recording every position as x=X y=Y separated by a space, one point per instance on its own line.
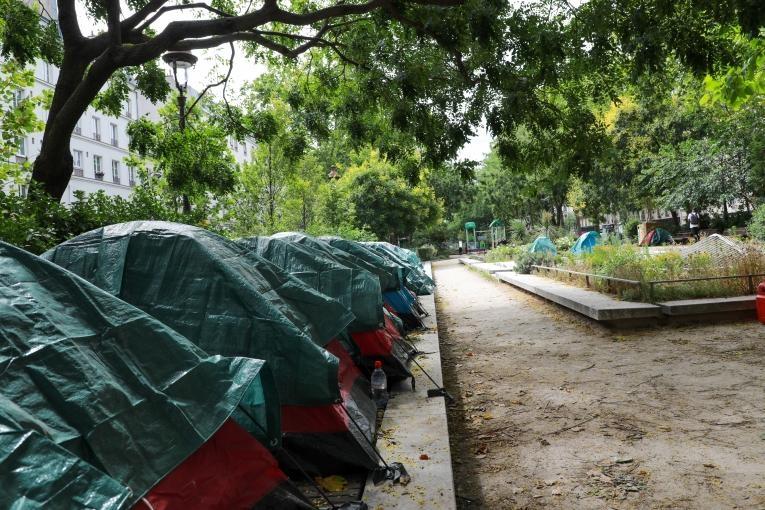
x=417 y=280
x=219 y=295
x=392 y=275
x=543 y=244
x=96 y=396
x=367 y=303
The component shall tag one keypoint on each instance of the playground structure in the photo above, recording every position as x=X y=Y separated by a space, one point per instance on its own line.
x=479 y=240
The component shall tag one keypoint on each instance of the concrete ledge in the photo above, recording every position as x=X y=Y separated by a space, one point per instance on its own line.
x=590 y=303
x=708 y=306
x=415 y=426
x=467 y=261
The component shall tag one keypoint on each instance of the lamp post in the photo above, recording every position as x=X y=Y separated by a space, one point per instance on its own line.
x=184 y=61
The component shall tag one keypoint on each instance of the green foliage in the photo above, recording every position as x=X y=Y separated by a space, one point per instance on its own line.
x=385 y=203
x=505 y=252
x=17 y=118
x=564 y=243
x=193 y=162
x=631 y=228
x=524 y=260
x=427 y=252
x=756 y=227
x=24 y=36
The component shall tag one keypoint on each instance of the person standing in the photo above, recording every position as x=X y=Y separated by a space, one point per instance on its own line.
x=694 y=221
x=460 y=246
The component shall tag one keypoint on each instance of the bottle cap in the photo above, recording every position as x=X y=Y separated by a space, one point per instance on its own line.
x=378 y=364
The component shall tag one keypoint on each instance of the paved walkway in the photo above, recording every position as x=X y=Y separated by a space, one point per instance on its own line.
x=555 y=412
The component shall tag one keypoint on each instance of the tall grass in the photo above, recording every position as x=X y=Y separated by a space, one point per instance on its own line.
x=630 y=262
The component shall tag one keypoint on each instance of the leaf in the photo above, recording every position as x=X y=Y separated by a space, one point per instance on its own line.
x=333 y=483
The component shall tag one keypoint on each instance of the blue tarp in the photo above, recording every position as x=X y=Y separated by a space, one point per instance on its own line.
x=542 y=244
x=586 y=243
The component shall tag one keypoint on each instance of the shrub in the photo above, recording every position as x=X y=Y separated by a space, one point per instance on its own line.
x=756 y=226
x=426 y=252
x=524 y=261
x=631 y=228
x=504 y=253
x=564 y=243
x=516 y=231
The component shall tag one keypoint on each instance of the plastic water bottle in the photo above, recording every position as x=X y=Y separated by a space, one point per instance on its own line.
x=379 y=385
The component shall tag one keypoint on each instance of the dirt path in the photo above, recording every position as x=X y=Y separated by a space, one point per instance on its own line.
x=556 y=412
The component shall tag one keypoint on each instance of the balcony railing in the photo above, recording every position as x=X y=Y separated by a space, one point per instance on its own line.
x=99 y=176
x=77 y=130
x=78 y=172
x=116 y=179
x=97 y=137
x=114 y=142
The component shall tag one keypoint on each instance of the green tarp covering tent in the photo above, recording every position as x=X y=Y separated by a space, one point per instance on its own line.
x=230 y=301
x=367 y=304
x=417 y=280
x=391 y=274
x=542 y=244
x=99 y=401
x=586 y=242
x=372 y=332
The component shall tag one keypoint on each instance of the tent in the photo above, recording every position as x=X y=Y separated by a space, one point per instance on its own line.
x=586 y=242
x=392 y=275
x=101 y=404
x=542 y=244
x=418 y=281
x=232 y=302
x=657 y=237
x=371 y=336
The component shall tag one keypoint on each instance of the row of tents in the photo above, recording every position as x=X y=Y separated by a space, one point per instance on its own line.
x=588 y=240
x=161 y=366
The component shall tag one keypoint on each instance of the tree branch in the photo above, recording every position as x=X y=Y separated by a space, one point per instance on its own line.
x=67 y=21
x=113 y=22
x=133 y=21
x=170 y=8
x=217 y=84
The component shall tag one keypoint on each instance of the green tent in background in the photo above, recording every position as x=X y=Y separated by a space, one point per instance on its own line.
x=99 y=401
x=542 y=244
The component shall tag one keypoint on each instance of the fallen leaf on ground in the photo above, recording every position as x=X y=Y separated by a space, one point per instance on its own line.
x=424 y=456
x=334 y=483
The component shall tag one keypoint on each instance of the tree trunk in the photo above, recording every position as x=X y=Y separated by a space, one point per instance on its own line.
x=675 y=217
x=74 y=91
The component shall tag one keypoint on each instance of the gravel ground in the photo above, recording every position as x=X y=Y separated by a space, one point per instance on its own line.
x=554 y=411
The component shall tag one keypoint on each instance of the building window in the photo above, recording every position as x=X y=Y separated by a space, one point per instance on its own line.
x=116 y=171
x=78 y=127
x=77 y=162
x=244 y=148
x=98 y=170
x=115 y=135
x=96 y=128
x=131 y=176
x=46 y=72
x=22 y=148
x=129 y=109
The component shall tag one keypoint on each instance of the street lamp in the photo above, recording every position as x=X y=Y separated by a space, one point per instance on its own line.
x=183 y=60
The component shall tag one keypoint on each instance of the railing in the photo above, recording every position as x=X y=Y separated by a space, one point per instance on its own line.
x=750 y=279
x=647 y=289
x=78 y=172
x=588 y=276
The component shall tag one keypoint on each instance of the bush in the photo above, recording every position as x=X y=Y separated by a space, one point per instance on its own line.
x=631 y=228
x=564 y=243
x=516 y=231
x=525 y=260
x=756 y=226
x=427 y=252
x=504 y=253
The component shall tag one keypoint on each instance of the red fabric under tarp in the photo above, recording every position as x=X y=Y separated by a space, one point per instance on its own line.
x=324 y=419
x=374 y=343
x=231 y=471
x=391 y=328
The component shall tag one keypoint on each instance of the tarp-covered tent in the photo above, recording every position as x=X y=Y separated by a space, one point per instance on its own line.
x=229 y=301
x=586 y=242
x=543 y=244
x=373 y=336
x=392 y=275
x=657 y=237
x=100 y=404
x=417 y=280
